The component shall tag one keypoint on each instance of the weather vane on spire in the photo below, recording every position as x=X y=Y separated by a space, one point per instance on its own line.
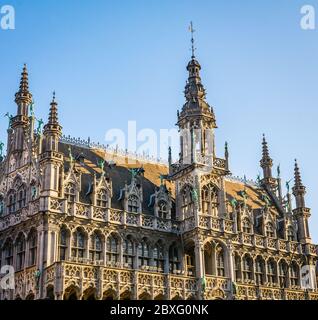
x=192 y=39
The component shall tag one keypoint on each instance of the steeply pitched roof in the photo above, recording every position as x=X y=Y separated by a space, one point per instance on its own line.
x=120 y=175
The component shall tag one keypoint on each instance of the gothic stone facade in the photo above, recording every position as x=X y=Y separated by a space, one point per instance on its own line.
x=75 y=225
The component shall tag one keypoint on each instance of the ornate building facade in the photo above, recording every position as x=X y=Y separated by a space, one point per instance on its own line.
x=74 y=225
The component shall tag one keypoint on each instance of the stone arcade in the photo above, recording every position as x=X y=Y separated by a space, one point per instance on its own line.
x=76 y=227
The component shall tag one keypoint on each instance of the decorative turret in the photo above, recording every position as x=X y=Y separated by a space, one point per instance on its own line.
x=52 y=130
x=23 y=97
x=51 y=158
x=267 y=164
x=301 y=212
x=196 y=119
x=299 y=190
x=19 y=123
x=226 y=155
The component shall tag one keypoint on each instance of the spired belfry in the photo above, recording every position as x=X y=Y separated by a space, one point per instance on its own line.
x=74 y=224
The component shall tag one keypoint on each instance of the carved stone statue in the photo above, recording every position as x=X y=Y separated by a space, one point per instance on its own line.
x=10 y=117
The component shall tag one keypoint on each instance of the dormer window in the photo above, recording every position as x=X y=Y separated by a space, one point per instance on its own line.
x=70 y=192
x=290 y=234
x=133 y=204
x=246 y=226
x=162 y=209
x=269 y=230
x=102 y=198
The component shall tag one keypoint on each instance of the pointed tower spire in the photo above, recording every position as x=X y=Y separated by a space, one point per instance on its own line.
x=226 y=155
x=266 y=161
x=301 y=213
x=194 y=90
x=299 y=190
x=298 y=182
x=23 y=97
x=53 y=115
x=52 y=130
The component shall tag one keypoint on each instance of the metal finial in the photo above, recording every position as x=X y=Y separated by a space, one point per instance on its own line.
x=192 y=40
x=54 y=96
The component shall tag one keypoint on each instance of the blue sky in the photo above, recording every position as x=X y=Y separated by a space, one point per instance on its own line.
x=114 y=61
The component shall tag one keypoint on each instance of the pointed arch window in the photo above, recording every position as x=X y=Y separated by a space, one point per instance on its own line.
x=247 y=268
x=102 y=198
x=237 y=267
x=133 y=204
x=187 y=200
x=162 y=209
x=283 y=271
x=32 y=248
x=174 y=262
x=294 y=274
x=70 y=192
x=63 y=244
x=21 y=197
x=269 y=230
x=129 y=253
x=1 y=205
x=112 y=249
x=20 y=250
x=209 y=194
x=8 y=253
x=95 y=250
x=158 y=255
x=220 y=262
x=290 y=234
x=143 y=254
x=259 y=270
x=78 y=244
x=271 y=271
x=12 y=201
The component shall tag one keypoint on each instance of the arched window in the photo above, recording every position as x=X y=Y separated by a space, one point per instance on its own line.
x=187 y=201
x=1 y=205
x=112 y=250
x=290 y=234
x=174 y=262
x=20 y=249
x=63 y=244
x=22 y=197
x=259 y=270
x=283 y=271
x=220 y=261
x=209 y=195
x=70 y=192
x=246 y=226
x=162 y=209
x=12 y=202
x=78 y=244
x=133 y=204
x=95 y=248
x=143 y=254
x=247 y=268
x=271 y=271
x=237 y=267
x=129 y=253
x=8 y=253
x=269 y=230
x=32 y=248
x=102 y=198
x=294 y=274
x=158 y=255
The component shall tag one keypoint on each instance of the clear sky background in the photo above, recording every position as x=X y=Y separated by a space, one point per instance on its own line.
x=114 y=61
